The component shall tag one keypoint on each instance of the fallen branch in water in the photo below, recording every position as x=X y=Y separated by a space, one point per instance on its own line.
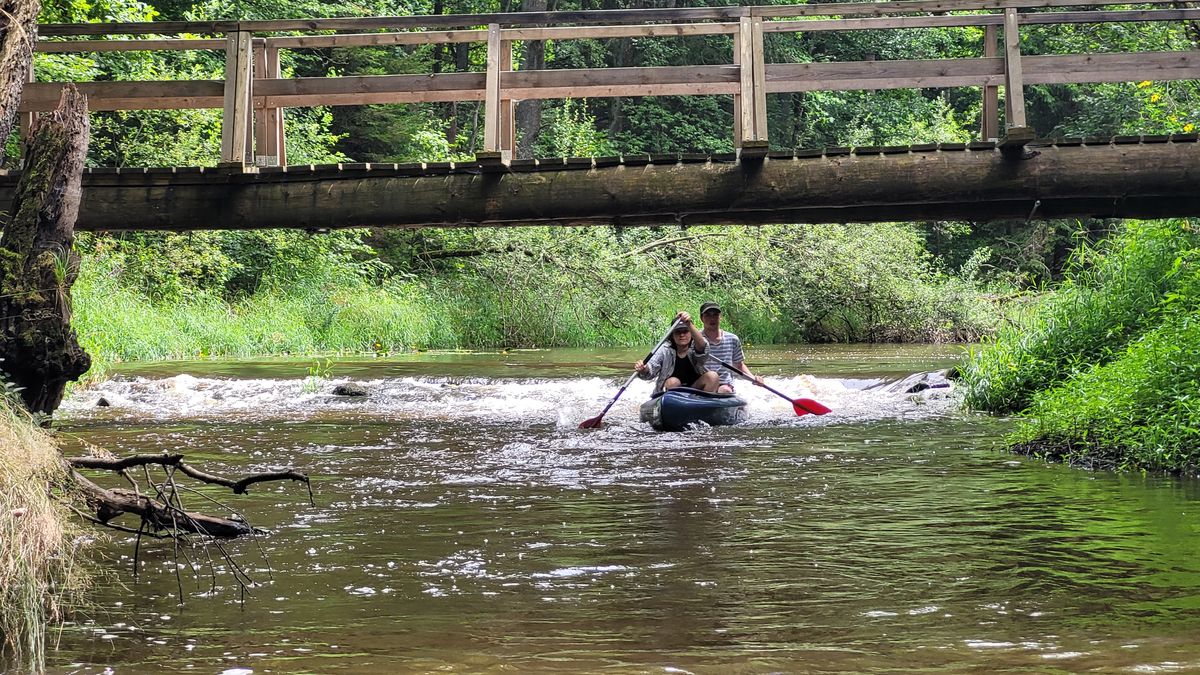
x=238 y=486
x=165 y=511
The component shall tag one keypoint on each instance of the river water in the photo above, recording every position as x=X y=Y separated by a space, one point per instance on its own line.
x=464 y=523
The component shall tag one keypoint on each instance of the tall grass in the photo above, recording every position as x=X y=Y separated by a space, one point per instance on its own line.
x=39 y=574
x=524 y=287
x=1110 y=298
x=1107 y=370
x=1139 y=411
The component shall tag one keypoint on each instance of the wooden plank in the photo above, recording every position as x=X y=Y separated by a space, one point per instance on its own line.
x=377 y=39
x=1014 y=82
x=824 y=25
x=989 y=117
x=508 y=116
x=236 y=99
x=261 y=130
x=1041 y=18
x=759 y=82
x=562 y=17
x=746 y=81
x=96 y=46
x=737 y=96
x=854 y=75
x=491 y=100
x=1095 y=68
x=1118 y=16
x=682 y=80
x=167 y=95
x=275 y=141
x=921 y=6
x=598 y=32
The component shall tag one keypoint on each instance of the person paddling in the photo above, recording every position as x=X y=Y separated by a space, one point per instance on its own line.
x=682 y=361
x=723 y=346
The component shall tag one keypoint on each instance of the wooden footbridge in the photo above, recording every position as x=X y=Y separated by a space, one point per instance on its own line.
x=1007 y=174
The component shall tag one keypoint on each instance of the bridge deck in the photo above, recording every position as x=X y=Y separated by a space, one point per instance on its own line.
x=1136 y=176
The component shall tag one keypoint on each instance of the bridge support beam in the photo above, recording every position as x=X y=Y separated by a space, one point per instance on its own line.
x=989 y=117
x=1017 y=131
x=269 y=138
x=1118 y=180
x=750 y=103
x=236 y=142
x=498 y=117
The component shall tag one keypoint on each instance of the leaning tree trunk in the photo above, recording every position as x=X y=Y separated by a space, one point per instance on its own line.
x=37 y=263
x=18 y=33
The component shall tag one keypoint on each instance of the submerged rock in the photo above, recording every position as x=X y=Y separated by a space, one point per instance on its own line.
x=102 y=403
x=349 y=389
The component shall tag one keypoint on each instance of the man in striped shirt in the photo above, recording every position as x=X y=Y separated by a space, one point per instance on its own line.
x=724 y=346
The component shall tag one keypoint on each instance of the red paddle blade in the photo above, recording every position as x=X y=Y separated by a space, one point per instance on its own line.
x=804 y=406
x=591 y=422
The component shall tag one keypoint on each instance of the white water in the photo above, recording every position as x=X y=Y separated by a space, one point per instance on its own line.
x=563 y=402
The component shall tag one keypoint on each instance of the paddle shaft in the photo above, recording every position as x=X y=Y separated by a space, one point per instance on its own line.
x=595 y=421
x=799 y=404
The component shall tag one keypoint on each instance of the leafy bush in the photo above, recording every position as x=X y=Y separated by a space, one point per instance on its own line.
x=1109 y=300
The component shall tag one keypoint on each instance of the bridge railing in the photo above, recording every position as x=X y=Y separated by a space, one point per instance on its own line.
x=254 y=96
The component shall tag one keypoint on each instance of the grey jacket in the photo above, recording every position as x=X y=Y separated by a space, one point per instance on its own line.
x=662 y=364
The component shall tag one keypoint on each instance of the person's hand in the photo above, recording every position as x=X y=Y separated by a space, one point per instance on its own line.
x=640 y=367
x=758 y=380
x=684 y=318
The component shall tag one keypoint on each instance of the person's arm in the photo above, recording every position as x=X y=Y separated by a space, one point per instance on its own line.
x=649 y=369
x=741 y=365
x=699 y=343
x=739 y=362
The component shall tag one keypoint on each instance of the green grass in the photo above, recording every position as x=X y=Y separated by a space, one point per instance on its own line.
x=1110 y=299
x=1106 y=371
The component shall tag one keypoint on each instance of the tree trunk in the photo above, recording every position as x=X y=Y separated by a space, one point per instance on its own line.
x=37 y=263
x=529 y=113
x=18 y=33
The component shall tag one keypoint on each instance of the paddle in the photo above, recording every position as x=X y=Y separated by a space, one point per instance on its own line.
x=594 y=422
x=802 y=406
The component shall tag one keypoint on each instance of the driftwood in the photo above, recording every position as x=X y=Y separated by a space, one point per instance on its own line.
x=37 y=263
x=164 y=511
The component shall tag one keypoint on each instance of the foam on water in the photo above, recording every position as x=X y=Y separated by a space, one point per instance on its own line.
x=562 y=402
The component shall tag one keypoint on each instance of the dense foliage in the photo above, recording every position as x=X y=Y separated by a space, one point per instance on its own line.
x=1106 y=367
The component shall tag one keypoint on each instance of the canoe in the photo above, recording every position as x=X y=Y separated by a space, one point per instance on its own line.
x=675 y=409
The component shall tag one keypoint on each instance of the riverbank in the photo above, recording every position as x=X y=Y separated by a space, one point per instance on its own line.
x=40 y=576
x=1105 y=371
x=264 y=294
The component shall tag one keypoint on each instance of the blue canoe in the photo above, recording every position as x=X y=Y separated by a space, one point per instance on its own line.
x=675 y=409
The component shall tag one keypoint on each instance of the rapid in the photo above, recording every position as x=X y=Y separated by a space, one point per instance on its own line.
x=463 y=522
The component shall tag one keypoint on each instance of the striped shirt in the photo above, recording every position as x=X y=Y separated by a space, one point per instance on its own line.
x=727 y=349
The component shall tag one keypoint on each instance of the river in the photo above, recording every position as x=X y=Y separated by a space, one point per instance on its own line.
x=464 y=523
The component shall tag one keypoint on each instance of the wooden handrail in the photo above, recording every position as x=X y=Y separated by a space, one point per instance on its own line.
x=596 y=32
x=254 y=96
x=591 y=17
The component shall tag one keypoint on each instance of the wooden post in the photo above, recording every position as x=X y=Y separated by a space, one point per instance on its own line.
x=508 y=118
x=737 y=97
x=235 y=132
x=746 y=67
x=260 y=118
x=491 y=101
x=1014 y=90
x=989 y=119
x=760 y=80
x=752 y=111
x=274 y=143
